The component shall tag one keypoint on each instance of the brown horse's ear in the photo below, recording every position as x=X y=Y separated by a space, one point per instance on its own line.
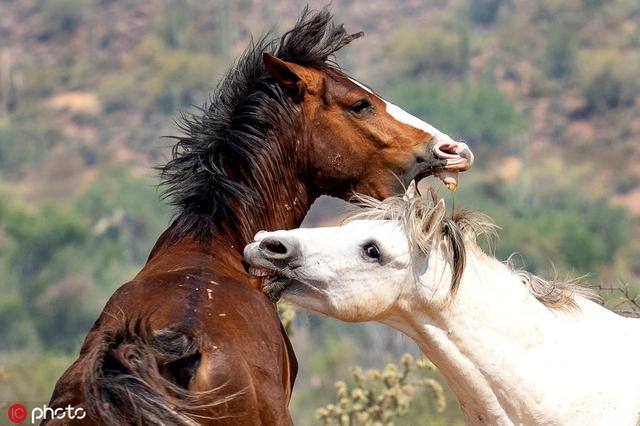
x=288 y=74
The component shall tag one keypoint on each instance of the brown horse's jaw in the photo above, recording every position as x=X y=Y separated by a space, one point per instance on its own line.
x=450 y=179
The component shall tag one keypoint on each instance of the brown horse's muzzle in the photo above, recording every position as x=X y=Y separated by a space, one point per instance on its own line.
x=444 y=158
x=458 y=158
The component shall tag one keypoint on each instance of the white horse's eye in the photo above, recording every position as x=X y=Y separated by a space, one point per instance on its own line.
x=371 y=250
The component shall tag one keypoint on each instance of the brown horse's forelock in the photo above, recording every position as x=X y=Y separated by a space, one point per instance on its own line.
x=123 y=384
x=233 y=134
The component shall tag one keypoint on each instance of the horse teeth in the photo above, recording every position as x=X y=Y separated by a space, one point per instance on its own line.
x=258 y=272
x=449 y=178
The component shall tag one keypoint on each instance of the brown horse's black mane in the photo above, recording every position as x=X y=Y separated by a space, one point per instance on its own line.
x=230 y=135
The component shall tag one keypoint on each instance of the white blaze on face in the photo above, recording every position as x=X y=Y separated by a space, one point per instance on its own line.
x=450 y=178
x=403 y=116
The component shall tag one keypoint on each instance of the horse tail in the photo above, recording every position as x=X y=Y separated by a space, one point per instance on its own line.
x=138 y=376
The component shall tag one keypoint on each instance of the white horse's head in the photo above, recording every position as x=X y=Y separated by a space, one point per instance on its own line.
x=379 y=261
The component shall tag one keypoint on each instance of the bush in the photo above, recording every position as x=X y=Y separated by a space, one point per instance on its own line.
x=59 y=266
x=608 y=79
x=165 y=80
x=25 y=139
x=559 y=53
x=552 y=226
x=35 y=247
x=29 y=375
x=593 y=4
x=7 y=148
x=62 y=16
x=378 y=397
x=478 y=114
x=417 y=52
x=484 y=12
x=38 y=237
x=118 y=92
x=17 y=329
x=66 y=309
x=125 y=210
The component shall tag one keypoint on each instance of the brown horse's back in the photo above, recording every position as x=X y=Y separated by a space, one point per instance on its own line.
x=214 y=350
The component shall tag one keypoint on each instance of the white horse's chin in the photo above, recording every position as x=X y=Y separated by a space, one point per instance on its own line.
x=306 y=297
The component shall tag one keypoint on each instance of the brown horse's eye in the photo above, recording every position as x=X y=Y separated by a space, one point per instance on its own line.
x=371 y=250
x=363 y=105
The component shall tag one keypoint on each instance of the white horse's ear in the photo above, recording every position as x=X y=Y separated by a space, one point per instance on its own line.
x=435 y=218
x=411 y=192
x=440 y=210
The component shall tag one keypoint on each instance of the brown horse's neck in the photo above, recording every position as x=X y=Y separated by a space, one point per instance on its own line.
x=277 y=178
x=284 y=199
x=285 y=202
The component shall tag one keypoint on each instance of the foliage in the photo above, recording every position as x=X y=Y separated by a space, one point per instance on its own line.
x=428 y=51
x=38 y=245
x=62 y=16
x=28 y=376
x=574 y=233
x=7 y=152
x=491 y=72
x=165 y=80
x=287 y=314
x=66 y=261
x=608 y=79
x=560 y=52
x=480 y=114
x=622 y=298
x=484 y=12
x=39 y=237
x=125 y=210
x=24 y=140
x=593 y=4
x=18 y=329
x=377 y=397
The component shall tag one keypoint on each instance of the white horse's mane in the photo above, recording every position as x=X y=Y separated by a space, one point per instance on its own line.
x=460 y=232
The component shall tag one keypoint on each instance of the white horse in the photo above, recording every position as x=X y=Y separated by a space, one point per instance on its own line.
x=514 y=349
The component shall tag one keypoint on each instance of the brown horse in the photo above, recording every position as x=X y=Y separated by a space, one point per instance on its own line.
x=192 y=339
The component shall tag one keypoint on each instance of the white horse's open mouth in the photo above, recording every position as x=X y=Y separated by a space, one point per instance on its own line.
x=275 y=282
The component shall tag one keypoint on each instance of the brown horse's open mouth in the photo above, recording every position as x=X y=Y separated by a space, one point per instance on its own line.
x=445 y=161
x=458 y=158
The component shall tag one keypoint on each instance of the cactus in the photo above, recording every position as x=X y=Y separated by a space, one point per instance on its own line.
x=378 y=396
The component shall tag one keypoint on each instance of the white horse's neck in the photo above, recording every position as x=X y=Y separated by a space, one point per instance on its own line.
x=511 y=360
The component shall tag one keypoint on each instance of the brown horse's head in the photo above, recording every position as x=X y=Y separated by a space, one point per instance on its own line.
x=360 y=142
x=287 y=125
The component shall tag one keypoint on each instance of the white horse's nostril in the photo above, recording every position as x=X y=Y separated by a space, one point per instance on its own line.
x=273 y=246
x=278 y=248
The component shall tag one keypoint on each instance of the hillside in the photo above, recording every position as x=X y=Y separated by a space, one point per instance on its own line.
x=546 y=93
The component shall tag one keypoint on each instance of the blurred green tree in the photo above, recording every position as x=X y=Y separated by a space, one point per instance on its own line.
x=480 y=114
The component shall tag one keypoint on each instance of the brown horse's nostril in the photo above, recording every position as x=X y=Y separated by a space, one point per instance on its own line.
x=448 y=149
